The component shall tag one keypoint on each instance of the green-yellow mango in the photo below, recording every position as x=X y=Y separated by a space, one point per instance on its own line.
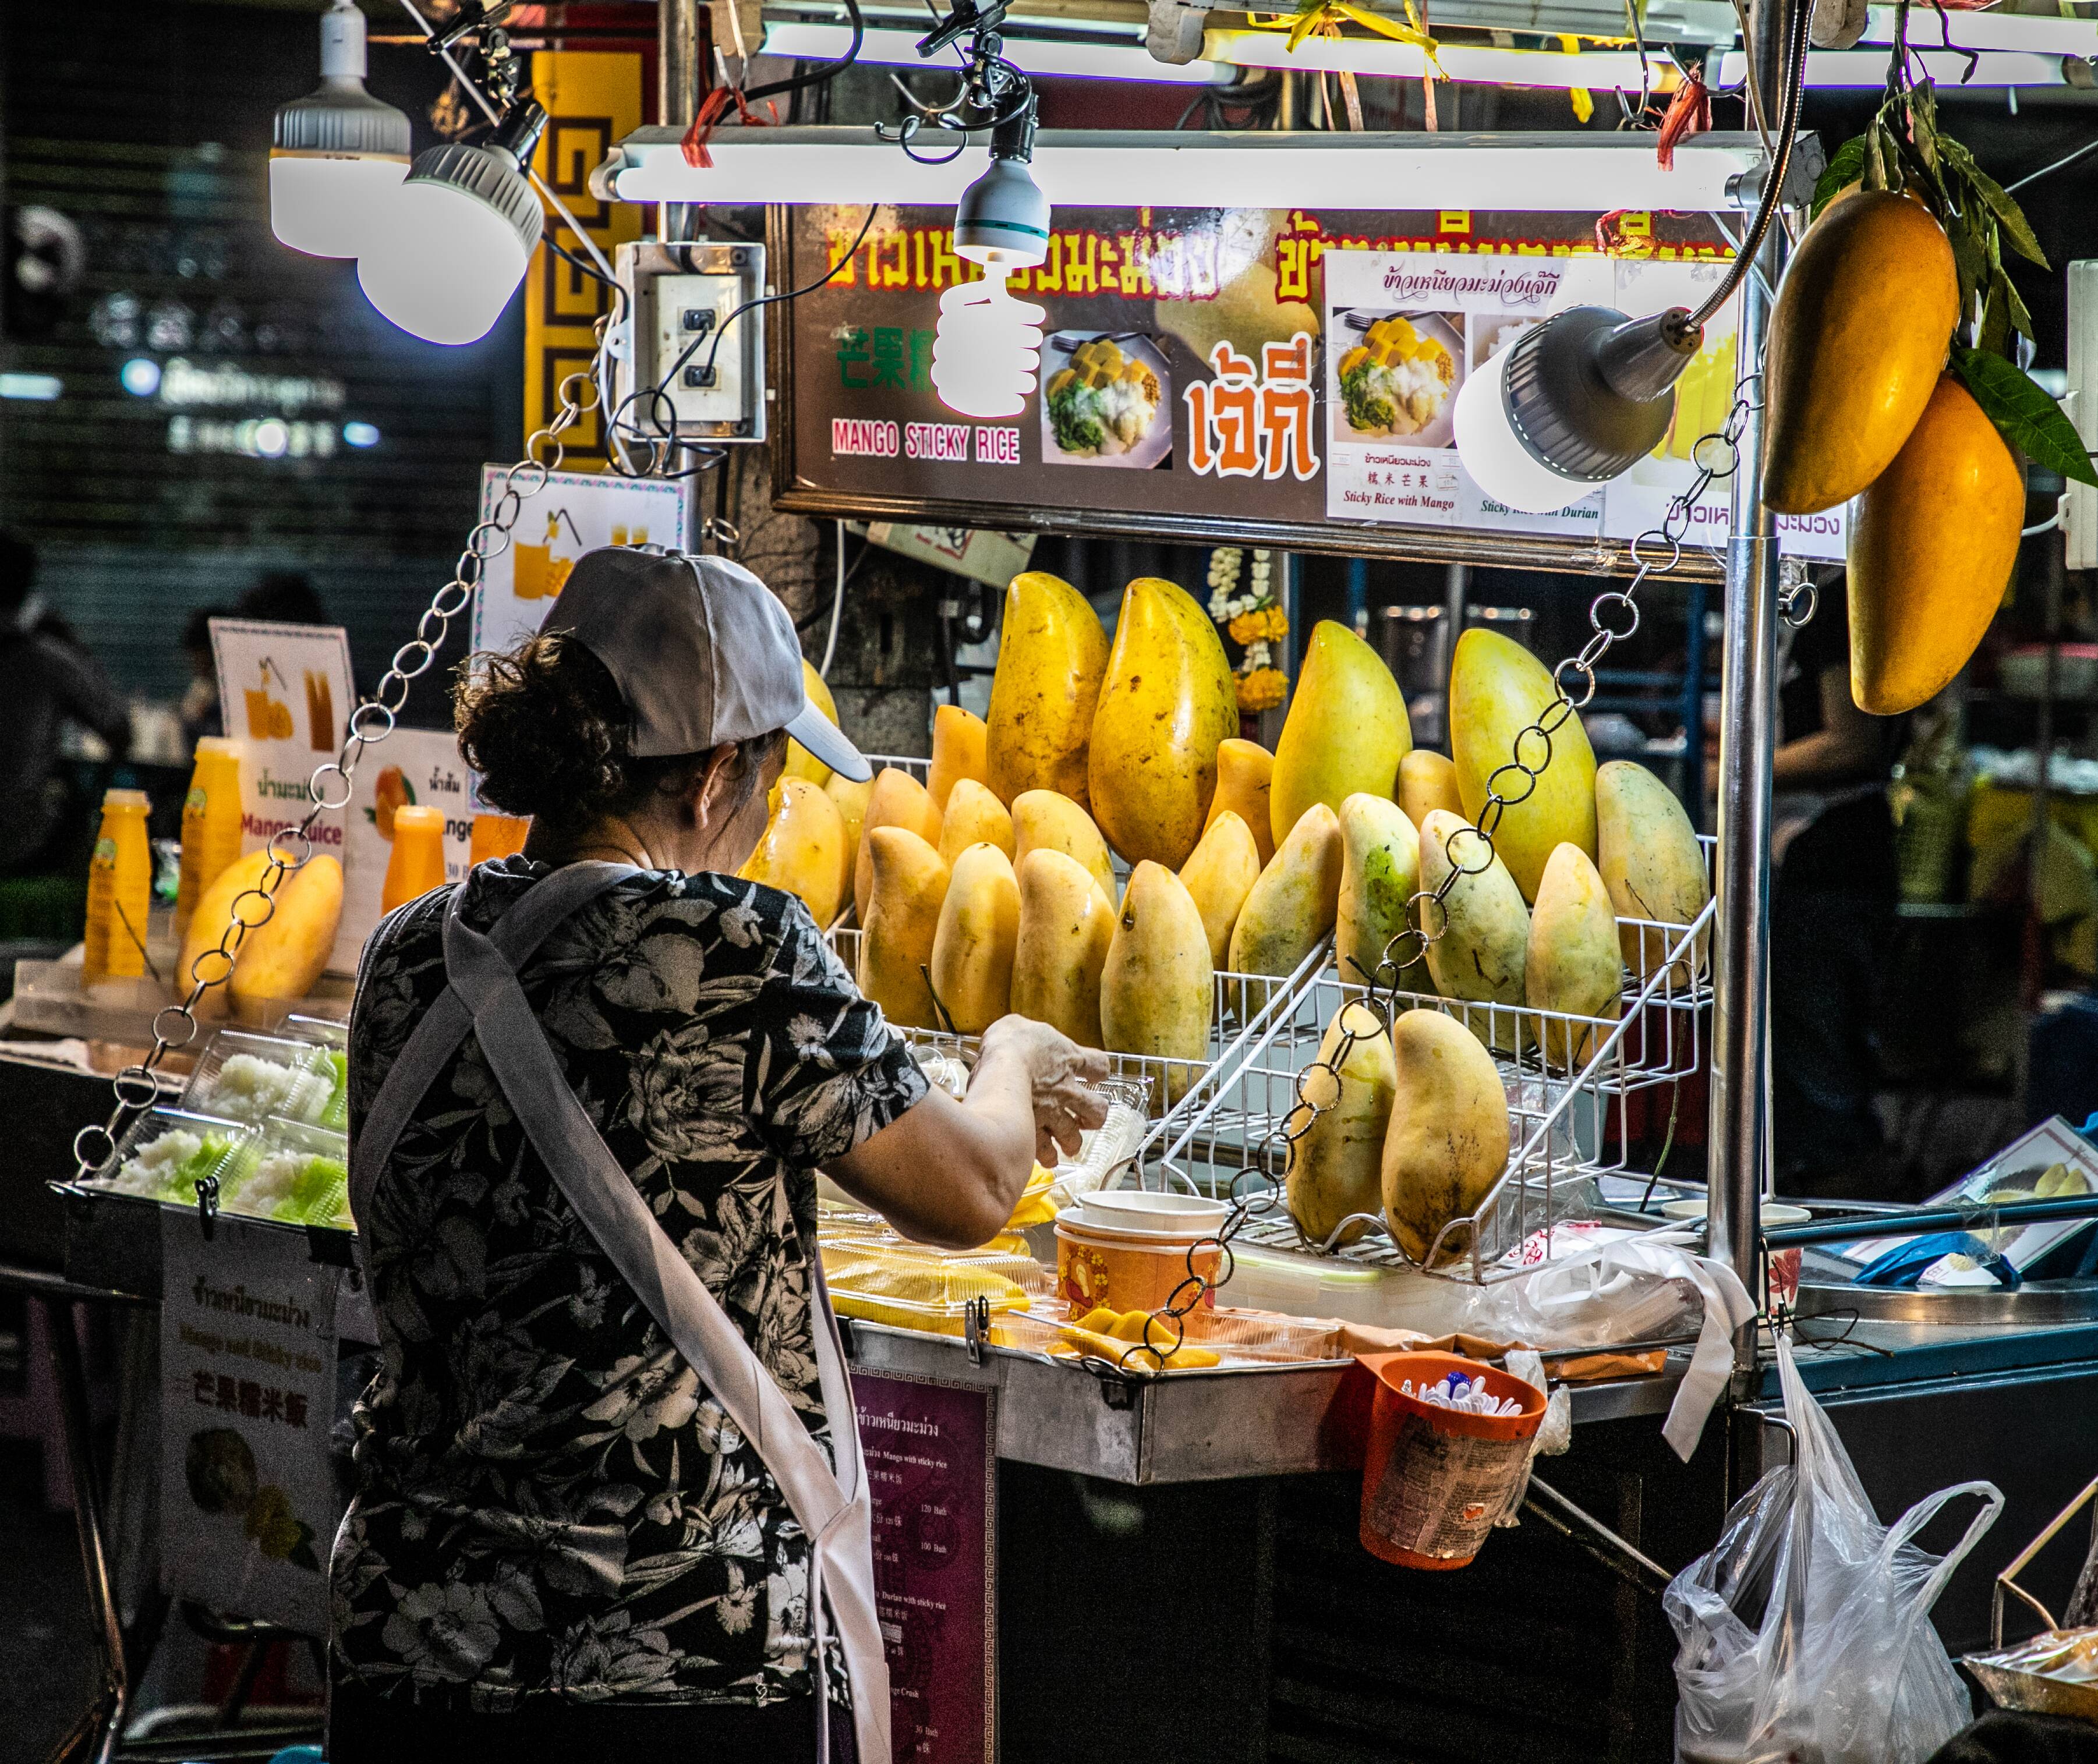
x=1497 y=690
x=1065 y=926
x=897 y=800
x=1337 y=1161
x=1220 y=872
x=1292 y=904
x=1572 y=965
x=1484 y=940
x=1346 y=731
x=1245 y=772
x=1448 y=1141
x=972 y=948
x=1380 y=872
x=1167 y=701
x=1651 y=864
x=1049 y=819
x=1427 y=781
x=908 y=888
x=973 y=816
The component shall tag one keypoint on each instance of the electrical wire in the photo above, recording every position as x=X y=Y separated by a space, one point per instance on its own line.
x=838 y=609
x=823 y=72
x=721 y=331
x=2067 y=159
x=1781 y=163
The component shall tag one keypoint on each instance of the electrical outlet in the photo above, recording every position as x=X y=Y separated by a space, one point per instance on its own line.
x=698 y=367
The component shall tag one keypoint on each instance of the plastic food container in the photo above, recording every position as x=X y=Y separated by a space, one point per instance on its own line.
x=167 y=1151
x=880 y=1278
x=1435 y=1479
x=300 y=1176
x=1147 y=1210
x=250 y=1077
x=1131 y=1269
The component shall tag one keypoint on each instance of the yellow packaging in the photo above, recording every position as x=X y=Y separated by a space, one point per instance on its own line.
x=417 y=862
x=211 y=822
x=120 y=890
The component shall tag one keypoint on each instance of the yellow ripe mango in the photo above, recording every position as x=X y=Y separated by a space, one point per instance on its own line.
x=973 y=817
x=1448 y=1141
x=1652 y=865
x=1167 y=701
x=852 y=799
x=1497 y=690
x=1293 y=904
x=1857 y=339
x=1485 y=945
x=801 y=762
x=1572 y=963
x=1931 y=543
x=802 y=849
x=909 y=886
x=1220 y=872
x=1065 y=926
x=1051 y=656
x=959 y=738
x=1346 y=731
x=1245 y=770
x=1155 y=986
x=897 y=800
x=1428 y=781
x=281 y=957
x=972 y=948
x=1049 y=819
x=1337 y=1161
x=1380 y=873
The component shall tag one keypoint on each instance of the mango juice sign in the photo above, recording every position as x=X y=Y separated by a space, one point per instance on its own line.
x=286 y=692
x=412 y=766
x=1192 y=383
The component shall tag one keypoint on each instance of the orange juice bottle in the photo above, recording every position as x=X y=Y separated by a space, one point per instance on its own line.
x=211 y=822
x=497 y=835
x=120 y=889
x=418 y=863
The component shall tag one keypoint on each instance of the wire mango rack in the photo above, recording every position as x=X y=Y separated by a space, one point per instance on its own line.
x=1576 y=1087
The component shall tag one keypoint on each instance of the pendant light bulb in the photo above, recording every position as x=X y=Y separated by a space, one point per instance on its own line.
x=337 y=157
x=987 y=350
x=1571 y=404
x=457 y=236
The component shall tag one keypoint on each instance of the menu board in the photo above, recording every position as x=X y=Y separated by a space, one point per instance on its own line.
x=1280 y=377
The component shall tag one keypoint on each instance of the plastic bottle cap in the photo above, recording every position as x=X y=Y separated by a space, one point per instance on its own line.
x=126 y=799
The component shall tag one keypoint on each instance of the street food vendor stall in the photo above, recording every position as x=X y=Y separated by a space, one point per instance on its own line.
x=1368 y=1269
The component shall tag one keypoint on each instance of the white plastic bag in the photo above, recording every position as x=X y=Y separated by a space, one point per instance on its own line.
x=1805 y=1632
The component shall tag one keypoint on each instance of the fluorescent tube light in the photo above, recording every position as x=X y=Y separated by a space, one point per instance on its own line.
x=1083 y=168
x=36 y=389
x=1049 y=57
x=1866 y=69
x=1599 y=70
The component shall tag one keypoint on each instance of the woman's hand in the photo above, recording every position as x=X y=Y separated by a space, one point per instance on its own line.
x=949 y=1172
x=1060 y=1077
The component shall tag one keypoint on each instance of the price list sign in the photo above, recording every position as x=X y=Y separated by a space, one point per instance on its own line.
x=933 y=1472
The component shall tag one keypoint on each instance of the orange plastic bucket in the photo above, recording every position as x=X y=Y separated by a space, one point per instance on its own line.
x=1129 y=1271
x=1434 y=1480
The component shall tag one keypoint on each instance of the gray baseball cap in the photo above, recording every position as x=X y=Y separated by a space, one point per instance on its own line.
x=702 y=651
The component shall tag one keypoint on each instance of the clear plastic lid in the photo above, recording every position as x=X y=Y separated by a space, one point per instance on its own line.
x=243 y=1077
x=300 y=1176
x=323 y=1031
x=881 y=1278
x=167 y=1151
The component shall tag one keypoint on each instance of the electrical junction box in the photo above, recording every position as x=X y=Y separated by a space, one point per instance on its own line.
x=691 y=362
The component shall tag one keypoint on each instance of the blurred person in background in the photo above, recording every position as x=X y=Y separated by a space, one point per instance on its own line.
x=1832 y=896
x=282 y=597
x=47 y=678
x=199 y=709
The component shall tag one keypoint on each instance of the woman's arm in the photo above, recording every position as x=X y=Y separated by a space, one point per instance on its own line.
x=949 y=1173
x=1848 y=744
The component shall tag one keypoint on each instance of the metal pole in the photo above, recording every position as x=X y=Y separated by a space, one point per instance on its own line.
x=677 y=80
x=1739 y=1138
x=87 y=1510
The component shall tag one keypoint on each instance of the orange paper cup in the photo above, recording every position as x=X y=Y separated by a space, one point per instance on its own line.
x=1129 y=1271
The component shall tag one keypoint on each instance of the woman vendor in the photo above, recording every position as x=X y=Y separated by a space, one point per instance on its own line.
x=609 y=1497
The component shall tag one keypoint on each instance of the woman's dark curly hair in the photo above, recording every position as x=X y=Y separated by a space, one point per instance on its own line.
x=545 y=726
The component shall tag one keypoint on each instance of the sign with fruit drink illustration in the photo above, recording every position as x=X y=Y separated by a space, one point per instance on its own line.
x=419 y=766
x=286 y=692
x=248 y=1373
x=572 y=512
x=1407 y=329
x=1190 y=374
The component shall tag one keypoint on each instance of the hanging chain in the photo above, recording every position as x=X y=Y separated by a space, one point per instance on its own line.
x=328 y=790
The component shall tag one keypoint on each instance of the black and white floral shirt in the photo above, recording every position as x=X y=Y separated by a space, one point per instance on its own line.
x=548 y=1499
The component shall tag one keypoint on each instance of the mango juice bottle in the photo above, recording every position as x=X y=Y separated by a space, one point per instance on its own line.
x=497 y=835
x=211 y=822
x=120 y=890
x=418 y=863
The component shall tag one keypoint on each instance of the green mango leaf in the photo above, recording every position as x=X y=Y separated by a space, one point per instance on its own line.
x=1995 y=335
x=2009 y=216
x=1875 y=161
x=1846 y=167
x=2025 y=415
x=2014 y=304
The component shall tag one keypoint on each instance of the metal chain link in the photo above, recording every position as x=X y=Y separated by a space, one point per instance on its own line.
x=175 y=1026
x=1612 y=617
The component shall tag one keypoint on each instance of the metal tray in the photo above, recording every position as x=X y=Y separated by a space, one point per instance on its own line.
x=2038 y=1304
